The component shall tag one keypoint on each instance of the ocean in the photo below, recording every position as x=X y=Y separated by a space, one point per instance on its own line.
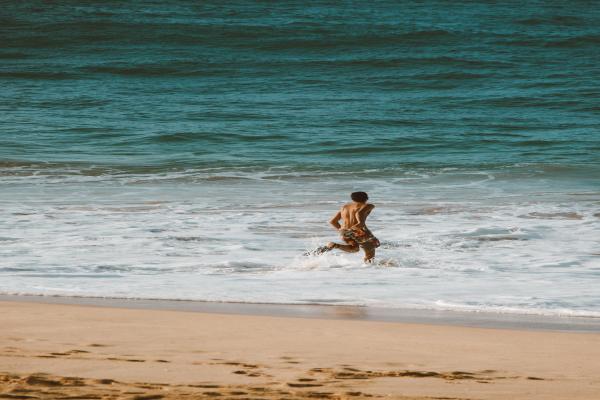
x=195 y=150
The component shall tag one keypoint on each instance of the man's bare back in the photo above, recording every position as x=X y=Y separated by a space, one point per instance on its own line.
x=353 y=228
x=355 y=214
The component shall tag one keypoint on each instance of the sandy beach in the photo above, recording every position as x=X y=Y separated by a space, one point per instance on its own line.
x=52 y=351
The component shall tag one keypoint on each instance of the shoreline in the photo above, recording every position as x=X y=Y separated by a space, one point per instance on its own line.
x=475 y=319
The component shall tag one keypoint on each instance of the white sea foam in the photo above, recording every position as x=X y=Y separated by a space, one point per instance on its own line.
x=464 y=243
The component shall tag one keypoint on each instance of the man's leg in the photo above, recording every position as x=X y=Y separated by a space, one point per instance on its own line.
x=369 y=254
x=351 y=247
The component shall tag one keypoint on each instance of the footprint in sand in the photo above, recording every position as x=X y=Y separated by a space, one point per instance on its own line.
x=289 y=360
x=251 y=374
x=149 y=397
x=105 y=381
x=70 y=352
x=125 y=359
x=303 y=385
x=205 y=386
x=320 y=395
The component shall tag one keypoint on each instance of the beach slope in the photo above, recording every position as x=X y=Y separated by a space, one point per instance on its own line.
x=51 y=351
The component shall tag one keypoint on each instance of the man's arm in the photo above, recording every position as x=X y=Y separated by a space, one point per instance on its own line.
x=335 y=221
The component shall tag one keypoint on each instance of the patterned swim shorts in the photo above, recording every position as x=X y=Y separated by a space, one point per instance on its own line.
x=360 y=236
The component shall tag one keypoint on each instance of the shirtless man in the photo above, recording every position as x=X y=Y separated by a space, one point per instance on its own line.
x=354 y=230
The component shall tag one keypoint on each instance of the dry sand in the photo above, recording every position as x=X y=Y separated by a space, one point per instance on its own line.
x=51 y=351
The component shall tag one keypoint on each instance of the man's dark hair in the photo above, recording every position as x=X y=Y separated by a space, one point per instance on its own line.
x=360 y=197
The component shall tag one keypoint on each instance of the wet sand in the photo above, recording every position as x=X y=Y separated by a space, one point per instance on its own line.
x=52 y=351
x=406 y=315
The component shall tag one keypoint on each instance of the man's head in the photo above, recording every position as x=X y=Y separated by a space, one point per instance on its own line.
x=359 y=197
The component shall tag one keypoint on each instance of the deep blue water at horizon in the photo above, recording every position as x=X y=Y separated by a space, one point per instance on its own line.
x=319 y=84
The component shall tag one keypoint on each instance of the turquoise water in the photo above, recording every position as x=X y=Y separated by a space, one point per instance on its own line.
x=323 y=85
x=146 y=145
